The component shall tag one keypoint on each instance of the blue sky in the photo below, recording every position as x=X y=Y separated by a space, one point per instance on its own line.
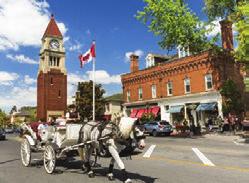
x=110 y=22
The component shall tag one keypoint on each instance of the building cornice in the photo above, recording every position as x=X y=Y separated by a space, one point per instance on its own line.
x=169 y=68
x=165 y=99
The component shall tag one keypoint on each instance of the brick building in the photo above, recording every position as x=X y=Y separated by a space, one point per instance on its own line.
x=184 y=87
x=52 y=75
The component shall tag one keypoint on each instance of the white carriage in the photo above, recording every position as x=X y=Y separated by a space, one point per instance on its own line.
x=54 y=141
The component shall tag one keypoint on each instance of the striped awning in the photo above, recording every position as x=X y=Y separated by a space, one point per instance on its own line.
x=155 y=110
x=133 y=113
x=175 y=109
x=206 y=107
x=140 y=113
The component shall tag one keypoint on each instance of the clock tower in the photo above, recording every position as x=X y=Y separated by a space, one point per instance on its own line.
x=52 y=75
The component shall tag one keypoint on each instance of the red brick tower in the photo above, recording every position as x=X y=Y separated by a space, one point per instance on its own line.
x=52 y=75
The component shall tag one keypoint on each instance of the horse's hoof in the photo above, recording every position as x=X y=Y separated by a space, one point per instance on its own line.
x=110 y=177
x=91 y=174
x=128 y=181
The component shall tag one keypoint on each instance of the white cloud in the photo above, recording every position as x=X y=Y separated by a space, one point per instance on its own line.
x=138 y=52
x=75 y=47
x=7 y=78
x=23 y=23
x=214 y=28
x=19 y=96
x=28 y=80
x=21 y=59
x=101 y=76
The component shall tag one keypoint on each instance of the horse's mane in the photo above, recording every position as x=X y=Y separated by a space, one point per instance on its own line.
x=125 y=125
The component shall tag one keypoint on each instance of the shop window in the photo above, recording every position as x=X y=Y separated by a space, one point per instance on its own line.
x=166 y=107
x=169 y=88
x=128 y=95
x=140 y=93
x=208 y=81
x=153 y=91
x=187 y=85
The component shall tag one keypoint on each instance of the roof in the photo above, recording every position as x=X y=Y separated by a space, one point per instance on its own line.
x=116 y=97
x=52 y=28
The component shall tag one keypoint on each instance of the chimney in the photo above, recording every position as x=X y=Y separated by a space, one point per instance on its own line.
x=134 y=63
x=227 y=34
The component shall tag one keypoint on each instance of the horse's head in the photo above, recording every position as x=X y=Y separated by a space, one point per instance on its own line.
x=129 y=130
x=138 y=137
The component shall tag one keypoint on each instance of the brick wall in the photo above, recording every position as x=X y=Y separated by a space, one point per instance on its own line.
x=51 y=93
x=194 y=67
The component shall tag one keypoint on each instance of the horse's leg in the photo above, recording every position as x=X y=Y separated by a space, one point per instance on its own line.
x=110 y=173
x=82 y=157
x=88 y=153
x=113 y=151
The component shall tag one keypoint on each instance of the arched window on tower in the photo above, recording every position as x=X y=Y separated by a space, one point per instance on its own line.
x=50 y=61
x=54 y=61
x=59 y=94
x=58 y=61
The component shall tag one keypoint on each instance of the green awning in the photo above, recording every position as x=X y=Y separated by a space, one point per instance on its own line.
x=206 y=107
x=175 y=109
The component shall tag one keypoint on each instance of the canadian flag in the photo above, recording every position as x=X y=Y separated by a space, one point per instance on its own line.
x=88 y=56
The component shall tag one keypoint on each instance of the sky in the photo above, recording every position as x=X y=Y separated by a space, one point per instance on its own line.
x=111 y=23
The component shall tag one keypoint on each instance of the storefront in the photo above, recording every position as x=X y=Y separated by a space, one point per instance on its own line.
x=195 y=108
x=137 y=111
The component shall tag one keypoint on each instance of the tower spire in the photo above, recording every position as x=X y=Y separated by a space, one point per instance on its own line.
x=52 y=28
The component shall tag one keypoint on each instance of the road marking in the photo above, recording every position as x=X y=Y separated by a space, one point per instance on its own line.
x=202 y=157
x=149 y=151
x=239 y=144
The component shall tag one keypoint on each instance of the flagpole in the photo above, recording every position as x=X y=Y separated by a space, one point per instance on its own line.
x=93 y=88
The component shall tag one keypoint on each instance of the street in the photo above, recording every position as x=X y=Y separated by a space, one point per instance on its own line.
x=211 y=158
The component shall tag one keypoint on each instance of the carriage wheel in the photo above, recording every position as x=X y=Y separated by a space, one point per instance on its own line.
x=49 y=159
x=25 y=152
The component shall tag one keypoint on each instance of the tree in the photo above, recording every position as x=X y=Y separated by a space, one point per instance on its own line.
x=220 y=8
x=242 y=26
x=232 y=98
x=3 y=118
x=84 y=100
x=176 y=24
x=14 y=109
x=31 y=111
x=236 y=11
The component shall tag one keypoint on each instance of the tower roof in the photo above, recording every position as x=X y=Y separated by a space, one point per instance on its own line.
x=52 y=28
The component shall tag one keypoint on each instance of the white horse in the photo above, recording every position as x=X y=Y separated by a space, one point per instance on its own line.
x=110 y=136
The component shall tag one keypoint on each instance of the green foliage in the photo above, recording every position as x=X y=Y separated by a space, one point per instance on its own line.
x=146 y=117
x=232 y=98
x=3 y=118
x=220 y=8
x=242 y=26
x=175 y=23
x=31 y=111
x=13 y=109
x=118 y=96
x=84 y=100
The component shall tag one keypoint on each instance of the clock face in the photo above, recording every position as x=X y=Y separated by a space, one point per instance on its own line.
x=54 y=44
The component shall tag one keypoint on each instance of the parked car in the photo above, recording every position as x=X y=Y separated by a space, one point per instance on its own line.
x=2 y=134
x=9 y=130
x=158 y=127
